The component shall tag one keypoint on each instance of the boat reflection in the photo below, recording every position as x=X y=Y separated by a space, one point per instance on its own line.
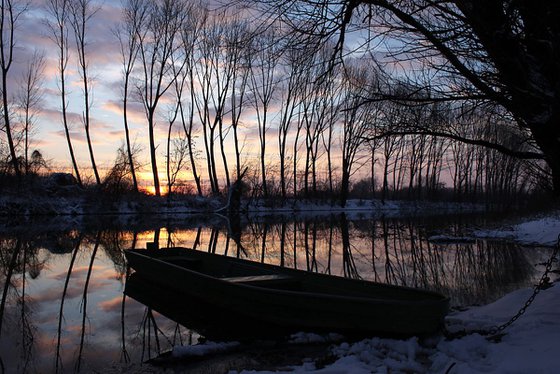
x=197 y=315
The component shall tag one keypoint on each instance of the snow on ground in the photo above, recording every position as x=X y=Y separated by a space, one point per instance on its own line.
x=529 y=346
x=541 y=231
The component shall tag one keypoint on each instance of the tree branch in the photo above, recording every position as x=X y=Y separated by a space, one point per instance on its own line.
x=524 y=155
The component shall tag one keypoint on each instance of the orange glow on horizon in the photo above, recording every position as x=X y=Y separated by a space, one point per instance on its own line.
x=151 y=190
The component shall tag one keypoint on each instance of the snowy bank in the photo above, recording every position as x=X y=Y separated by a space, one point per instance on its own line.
x=542 y=231
x=529 y=346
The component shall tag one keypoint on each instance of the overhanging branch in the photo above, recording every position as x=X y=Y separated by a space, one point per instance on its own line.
x=525 y=155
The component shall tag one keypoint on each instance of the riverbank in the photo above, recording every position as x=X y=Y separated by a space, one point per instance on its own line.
x=529 y=345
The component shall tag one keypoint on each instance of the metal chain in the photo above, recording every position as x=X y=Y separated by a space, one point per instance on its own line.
x=540 y=286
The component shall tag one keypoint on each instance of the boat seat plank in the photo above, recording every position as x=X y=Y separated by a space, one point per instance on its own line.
x=179 y=258
x=188 y=263
x=258 y=278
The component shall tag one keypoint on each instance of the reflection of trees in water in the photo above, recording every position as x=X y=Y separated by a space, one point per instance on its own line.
x=152 y=336
x=390 y=250
x=470 y=272
x=18 y=262
x=58 y=357
x=85 y=300
x=486 y=267
x=387 y=250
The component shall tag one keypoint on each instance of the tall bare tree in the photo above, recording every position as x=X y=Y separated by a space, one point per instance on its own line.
x=81 y=13
x=10 y=13
x=214 y=75
x=29 y=99
x=59 y=12
x=241 y=35
x=264 y=82
x=356 y=121
x=134 y=15
x=294 y=78
x=497 y=52
x=190 y=36
x=158 y=39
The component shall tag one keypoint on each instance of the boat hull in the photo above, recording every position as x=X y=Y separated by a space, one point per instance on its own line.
x=303 y=301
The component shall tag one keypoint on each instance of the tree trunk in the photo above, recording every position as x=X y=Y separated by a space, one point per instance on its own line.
x=344 y=185
x=548 y=139
x=13 y=155
x=127 y=134
x=153 y=157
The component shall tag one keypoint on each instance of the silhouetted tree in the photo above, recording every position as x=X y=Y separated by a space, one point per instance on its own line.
x=10 y=12
x=81 y=13
x=493 y=52
x=29 y=99
x=134 y=14
x=59 y=14
x=159 y=39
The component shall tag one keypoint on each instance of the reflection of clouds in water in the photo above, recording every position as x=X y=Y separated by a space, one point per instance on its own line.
x=77 y=272
x=112 y=305
x=388 y=250
x=54 y=294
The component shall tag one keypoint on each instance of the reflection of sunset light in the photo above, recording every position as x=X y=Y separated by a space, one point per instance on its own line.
x=182 y=238
x=151 y=190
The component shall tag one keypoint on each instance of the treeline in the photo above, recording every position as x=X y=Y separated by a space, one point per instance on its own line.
x=219 y=79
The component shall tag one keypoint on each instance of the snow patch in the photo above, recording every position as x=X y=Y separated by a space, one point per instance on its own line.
x=543 y=231
x=306 y=338
x=530 y=345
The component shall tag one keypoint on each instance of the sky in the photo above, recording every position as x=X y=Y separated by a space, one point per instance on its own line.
x=32 y=34
x=107 y=130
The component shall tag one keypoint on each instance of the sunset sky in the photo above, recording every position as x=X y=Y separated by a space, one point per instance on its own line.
x=107 y=129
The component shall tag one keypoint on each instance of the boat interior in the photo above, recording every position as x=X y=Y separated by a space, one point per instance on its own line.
x=269 y=276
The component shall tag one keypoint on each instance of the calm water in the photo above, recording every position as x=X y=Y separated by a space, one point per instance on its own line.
x=63 y=308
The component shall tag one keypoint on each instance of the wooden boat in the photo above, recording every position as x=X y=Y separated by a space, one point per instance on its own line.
x=289 y=300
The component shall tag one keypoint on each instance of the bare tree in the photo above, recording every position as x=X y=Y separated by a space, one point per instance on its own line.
x=29 y=99
x=357 y=120
x=119 y=177
x=240 y=56
x=134 y=15
x=58 y=11
x=264 y=82
x=190 y=36
x=294 y=72
x=214 y=74
x=81 y=13
x=493 y=52
x=158 y=40
x=317 y=115
x=10 y=13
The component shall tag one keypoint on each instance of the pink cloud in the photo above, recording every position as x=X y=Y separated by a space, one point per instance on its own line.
x=111 y=305
x=135 y=112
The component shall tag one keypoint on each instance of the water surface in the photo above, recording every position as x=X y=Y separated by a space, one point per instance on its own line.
x=63 y=307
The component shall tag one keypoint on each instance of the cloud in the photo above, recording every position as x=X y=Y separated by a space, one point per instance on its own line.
x=111 y=305
x=135 y=110
x=77 y=272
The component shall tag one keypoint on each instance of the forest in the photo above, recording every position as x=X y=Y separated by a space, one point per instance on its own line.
x=302 y=99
